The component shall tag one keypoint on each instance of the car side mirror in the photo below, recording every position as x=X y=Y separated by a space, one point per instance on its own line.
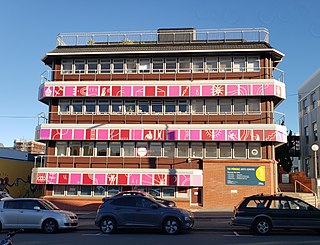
x=36 y=208
x=154 y=206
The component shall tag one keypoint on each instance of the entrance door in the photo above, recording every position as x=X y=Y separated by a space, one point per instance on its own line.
x=196 y=196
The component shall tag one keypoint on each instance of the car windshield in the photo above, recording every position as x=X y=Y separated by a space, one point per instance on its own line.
x=49 y=205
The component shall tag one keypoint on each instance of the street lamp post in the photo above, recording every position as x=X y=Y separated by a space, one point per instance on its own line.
x=315 y=148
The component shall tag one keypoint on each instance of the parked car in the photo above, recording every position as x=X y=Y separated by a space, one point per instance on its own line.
x=153 y=195
x=35 y=213
x=137 y=211
x=263 y=213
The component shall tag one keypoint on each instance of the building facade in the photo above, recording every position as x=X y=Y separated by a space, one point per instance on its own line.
x=32 y=147
x=187 y=113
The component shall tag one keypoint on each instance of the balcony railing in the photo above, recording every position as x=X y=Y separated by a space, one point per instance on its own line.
x=173 y=75
x=155 y=37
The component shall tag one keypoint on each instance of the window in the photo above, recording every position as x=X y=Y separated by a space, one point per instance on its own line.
x=158 y=65
x=61 y=148
x=168 y=191
x=128 y=149
x=77 y=106
x=12 y=204
x=211 y=106
x=182 y=192
x=88 y=148
x=305 y=106
x=79 y=66
x=239 y=64
x=130 y=106
x=156 y=106
x=117 y=66
x=64 y=106
x=144 y=66
x=112 y=190
x=171 y=65
x=116 y=106
x=131 y=66
x=306 y=133
x=74 y=148
x=197 y=64
x=115 y=148
x=225 y=106
x=225 y=64
x=85 y=190
x=101 y=148
x=72 y=190
x=196 y=149
x=90 y=106
x=212 y=64
x=197 y=106
x=154 y=191
x=105 y=66
x=239 y=106
x=168 y=149
x=92 y=66
x=143 y=107
x=183 y=149
x=315 y=131
x=142 y=149
x=239 y=150
x=183 y=106
x=314 y=100
x=103 y=106
x=225 y=150
x=254 y=150
x=253 y=105
x=170 y=107
x=211 y=149
x=184 y=64
x=58 y=190
x=155 y=149
x=67 y=67
x=99 y=190
x=253 y=64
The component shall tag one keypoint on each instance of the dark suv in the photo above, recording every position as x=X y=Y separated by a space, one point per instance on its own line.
x=263 y=213
x=135 y=211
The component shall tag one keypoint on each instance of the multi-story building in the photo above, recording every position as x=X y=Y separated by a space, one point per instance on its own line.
x=32 y=147
x=309 y=120
x=187 y=113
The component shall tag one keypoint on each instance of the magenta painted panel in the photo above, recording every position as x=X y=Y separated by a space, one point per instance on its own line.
x=195 y=91
x=52 y=178
x=280 y=137
x=195 y=135
x=269 y=89
x=232 y=90
x=93 y=91
x=206 y=90
x=134 y=179
x=138 y=90
x=245 y=135
x=55 y=134
x=44 y=134
x=99 y=179
x=66 y=134
x=270 y=135
x=136 y=134
x=245 y=89
x=48 y=91
x=126 y=91
x=218 y=90
x=78 y=134
x=232 y=134
x=184 y=134
x=75 y=179
x=219 y=134
x=196 y=180
x=103 y=134
x=184 y=179
x=257 y=90
x=173 y=134
x=70 y=91
x=174 y=90
x=147 y=179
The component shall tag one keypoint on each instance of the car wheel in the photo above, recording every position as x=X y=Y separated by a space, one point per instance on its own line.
x=49 y=226
x=108 y=225
x=262 y=226
x=171 y=226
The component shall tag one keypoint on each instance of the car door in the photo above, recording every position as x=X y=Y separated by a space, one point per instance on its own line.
x=9 y=214
x=123 y=209
x=280 y=213
x=28 y=216
x=146 y=213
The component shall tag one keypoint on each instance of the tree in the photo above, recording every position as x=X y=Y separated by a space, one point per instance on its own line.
x=283 y=154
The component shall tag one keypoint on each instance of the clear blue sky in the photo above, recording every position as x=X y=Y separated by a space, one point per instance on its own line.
x=29 y=29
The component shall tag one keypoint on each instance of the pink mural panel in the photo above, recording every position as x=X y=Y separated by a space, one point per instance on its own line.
x=270 y=135
x=174 y=90
x=257 y=89
x=126 y=91
x=52 y=178
x=93 y=91
x=147 y=179
x=257 y=135
x=245 y=89
x=55 y=134
x=99 y=179
x=245 y=135
x=206 y=134
x=70 y=91
x=173 y=134
x=48 y=91
x=136 y=134
x=90 y=134
x=138 y=91
x=150 y=91
x=195 y=134
x=81 y=91
x=162 y=91
x=66 y=134
x=172 y=179
x=232 y=90
x=41 y=178
x=63 y=179
x=159 y=179
x=114 y=134
x=45 y=134
x=232 y=135
x=219 y=134
x=184 y=134
x=269 y=89
x=102 y=134
x=219 y=90
x=278 y=91
x=196 y=180
x=58 y=91
x=125 y=134
x=78 y=134
x=184 y=180
x=105 y=91
x=206 y=90
x=122 y=179
x=134 y=179
x=195 y=91
x=281 y=137
x=116 y=91
x=87 y=179
x=75 y=178
x=112 y=179
x=185 y=91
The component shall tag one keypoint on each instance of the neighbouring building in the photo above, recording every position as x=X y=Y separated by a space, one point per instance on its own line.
x=188 y=113
x=32 y=147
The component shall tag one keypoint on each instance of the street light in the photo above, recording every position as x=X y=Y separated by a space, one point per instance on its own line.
x=315 y=148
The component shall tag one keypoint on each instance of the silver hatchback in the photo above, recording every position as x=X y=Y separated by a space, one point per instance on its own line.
x=35 y=213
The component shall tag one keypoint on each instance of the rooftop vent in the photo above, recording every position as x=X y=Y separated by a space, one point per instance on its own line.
x=176 y=35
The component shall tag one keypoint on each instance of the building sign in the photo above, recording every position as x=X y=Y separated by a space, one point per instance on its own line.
x=243 y=175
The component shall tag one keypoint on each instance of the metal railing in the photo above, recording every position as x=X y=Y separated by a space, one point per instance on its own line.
x=172 y=36
x=172 y=75
x=274 y=116
x=298 y=183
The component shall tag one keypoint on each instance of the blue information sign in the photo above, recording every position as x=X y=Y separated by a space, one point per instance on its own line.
x=244 y=175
